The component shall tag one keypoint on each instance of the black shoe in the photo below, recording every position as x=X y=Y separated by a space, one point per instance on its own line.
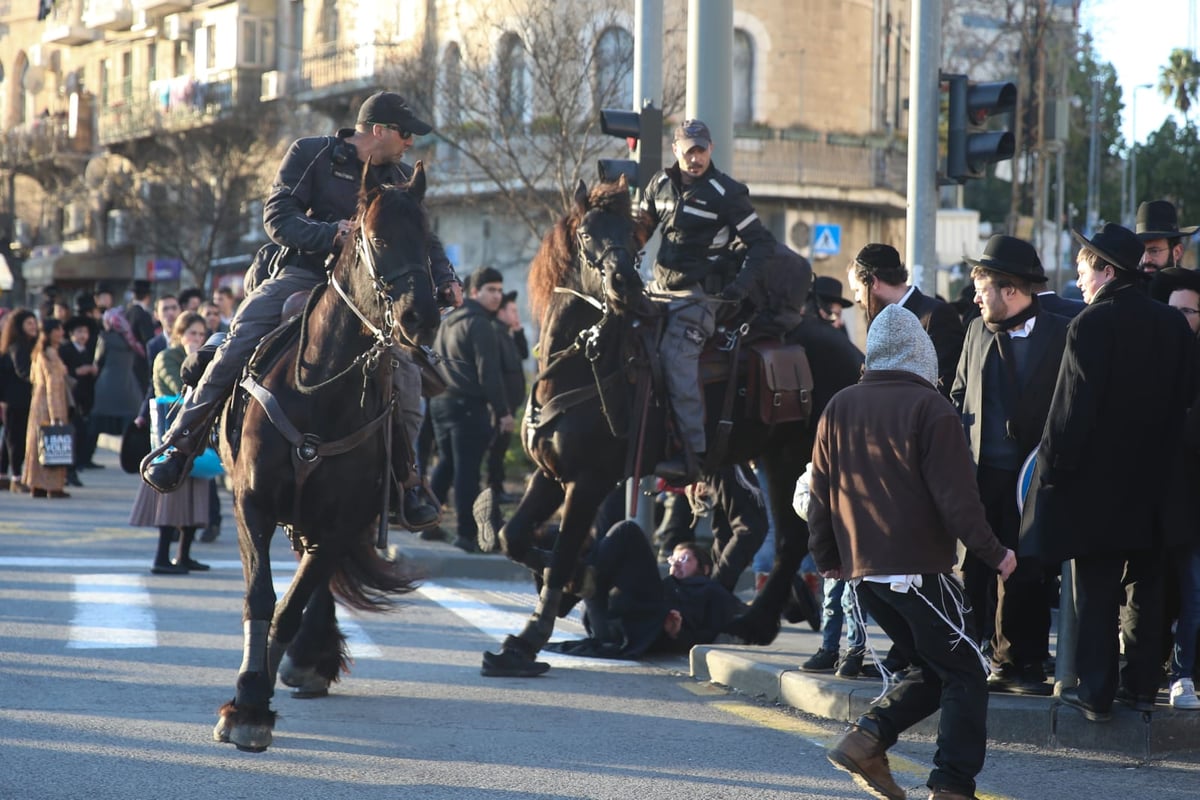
x=801 y=606
x=418 y=511
x=1016 y=683
x=677 y=470
x=169 y=569
x=167 y=470
x=91 y=465
x=1136 y=702
x=1070 y=697
x=897 y=671
x=192 y=565
x=821 y=661
x=434 y=534
x=466 y=544
x=73 y=479
x=852 y=664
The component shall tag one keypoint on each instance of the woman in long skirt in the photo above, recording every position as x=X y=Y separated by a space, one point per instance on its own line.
x=50 y=405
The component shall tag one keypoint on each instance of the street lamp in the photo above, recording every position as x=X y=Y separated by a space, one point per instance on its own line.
x=1133 y=200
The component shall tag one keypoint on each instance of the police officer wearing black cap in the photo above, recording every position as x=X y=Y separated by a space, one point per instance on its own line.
x=704 y=214
x=308 y=212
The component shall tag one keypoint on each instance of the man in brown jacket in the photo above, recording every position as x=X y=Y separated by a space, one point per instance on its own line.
x=892 y=491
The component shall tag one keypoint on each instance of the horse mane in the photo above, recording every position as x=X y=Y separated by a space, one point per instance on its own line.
x=551 y=266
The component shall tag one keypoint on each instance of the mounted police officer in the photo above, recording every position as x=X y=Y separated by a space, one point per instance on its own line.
x=308 y=213
x=704 y=215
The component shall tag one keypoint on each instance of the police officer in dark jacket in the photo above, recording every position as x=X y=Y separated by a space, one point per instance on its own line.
x=309 y=212
x=704 y=215
x=475 y=397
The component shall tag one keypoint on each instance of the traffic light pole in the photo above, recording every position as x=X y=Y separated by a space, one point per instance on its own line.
x=920 y=247
x=710 y=73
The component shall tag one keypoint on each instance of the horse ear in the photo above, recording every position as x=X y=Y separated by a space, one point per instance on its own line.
x=369 y=182
x=581 y=197
x=416 y=184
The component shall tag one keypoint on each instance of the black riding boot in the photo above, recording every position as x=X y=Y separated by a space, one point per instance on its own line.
x=418 y=510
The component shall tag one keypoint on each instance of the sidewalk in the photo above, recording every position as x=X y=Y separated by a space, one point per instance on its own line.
x=769 y=673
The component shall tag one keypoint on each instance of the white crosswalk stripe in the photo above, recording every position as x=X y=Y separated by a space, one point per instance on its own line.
x=112 y=611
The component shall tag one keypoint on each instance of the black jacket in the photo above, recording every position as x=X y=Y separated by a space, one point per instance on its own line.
x=1063 y=306
x=701 y=222
x=1046 y=340
x=317 y=186
x=84 y=391
x=945 y=328
x=511 y=366
x=1114 y=432
x=470 y=345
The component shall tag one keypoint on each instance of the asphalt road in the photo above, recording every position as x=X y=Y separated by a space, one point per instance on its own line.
x=110 y=678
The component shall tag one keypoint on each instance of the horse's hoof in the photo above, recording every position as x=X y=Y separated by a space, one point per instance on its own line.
x=510 y=664
x=311 y=690
x=306 y=682
x=250 y=731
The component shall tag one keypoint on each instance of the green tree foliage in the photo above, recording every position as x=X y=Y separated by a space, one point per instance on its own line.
x=1167 y=167
x=1179 y=80
x=1087 y=69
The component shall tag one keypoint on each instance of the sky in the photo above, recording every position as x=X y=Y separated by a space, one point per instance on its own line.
x=1136 y=38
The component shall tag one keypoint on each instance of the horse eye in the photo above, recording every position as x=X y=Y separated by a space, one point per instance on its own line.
x=378 y=242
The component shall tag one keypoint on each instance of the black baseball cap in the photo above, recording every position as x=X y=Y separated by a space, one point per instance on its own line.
x=389 y=108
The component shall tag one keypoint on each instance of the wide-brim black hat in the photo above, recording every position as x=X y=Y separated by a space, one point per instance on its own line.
x=1165 y=281
x=1012 y=256
x=1117 y=245
x=830 y=290
x=1158 y=219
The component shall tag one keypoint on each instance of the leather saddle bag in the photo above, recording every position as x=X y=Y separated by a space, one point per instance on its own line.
x=780 y=382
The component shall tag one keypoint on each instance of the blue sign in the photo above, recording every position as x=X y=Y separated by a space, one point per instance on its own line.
x=164 y=269
x=827 y=240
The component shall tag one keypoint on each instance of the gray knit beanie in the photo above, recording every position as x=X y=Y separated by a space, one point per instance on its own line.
x=896 y=340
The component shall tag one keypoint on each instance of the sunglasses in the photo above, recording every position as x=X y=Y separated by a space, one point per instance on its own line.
x=403 y=133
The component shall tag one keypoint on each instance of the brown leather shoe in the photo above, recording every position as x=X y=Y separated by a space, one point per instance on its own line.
x=862 y=755
x=949 y=794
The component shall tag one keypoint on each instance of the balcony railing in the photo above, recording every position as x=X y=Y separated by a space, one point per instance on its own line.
x=329 y=70
x=43 y=139
x=178 y=104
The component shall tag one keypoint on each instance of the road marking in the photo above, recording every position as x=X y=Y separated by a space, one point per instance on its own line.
x=906 y=770
x=498 y=623
x=112 y=611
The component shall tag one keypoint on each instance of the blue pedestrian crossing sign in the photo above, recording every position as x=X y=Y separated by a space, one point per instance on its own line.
x=827 y=240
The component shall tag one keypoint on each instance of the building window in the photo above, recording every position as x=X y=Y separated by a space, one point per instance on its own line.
x=743 y=78
x=126 y=75
x=210 y=47
x=511 y=71
x=327 y=30
x=614 y=69
x=152 y=61
x=258 y=43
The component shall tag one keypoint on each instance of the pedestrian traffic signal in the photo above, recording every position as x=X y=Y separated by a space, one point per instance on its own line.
x=643 y=132
x=970 y=147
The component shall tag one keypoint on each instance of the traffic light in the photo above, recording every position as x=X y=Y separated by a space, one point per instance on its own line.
x=970 y=147
x=643 y=132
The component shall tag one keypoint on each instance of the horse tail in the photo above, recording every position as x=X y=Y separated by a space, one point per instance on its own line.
x=366 y=581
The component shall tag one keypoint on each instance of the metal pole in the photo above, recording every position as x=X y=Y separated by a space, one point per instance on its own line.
x=710 y=72
x=1132 y=210
x=647 y=89
x=920 y=246
x=1068 y=627
x=1059 y=210
x=1092 y=214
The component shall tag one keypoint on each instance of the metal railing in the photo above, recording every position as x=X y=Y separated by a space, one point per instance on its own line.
x=178 y=104
x=329 y=69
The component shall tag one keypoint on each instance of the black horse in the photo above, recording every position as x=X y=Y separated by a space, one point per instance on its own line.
x=306 y=442
x=580 y=426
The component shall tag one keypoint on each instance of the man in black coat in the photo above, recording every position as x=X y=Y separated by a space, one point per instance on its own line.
x=474 y=406
x=1005 y=379
x=1098 y=492
x=878 y=279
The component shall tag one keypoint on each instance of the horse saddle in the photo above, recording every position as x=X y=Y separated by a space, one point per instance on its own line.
x=773 y=376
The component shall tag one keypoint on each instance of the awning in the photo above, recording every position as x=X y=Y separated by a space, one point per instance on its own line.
x=45 y=270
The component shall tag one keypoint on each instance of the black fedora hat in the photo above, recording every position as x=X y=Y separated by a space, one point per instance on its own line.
x=1165 y=281
x=1158 y=219
x=1012 y=256
x=830 y=290
x=1117 y=245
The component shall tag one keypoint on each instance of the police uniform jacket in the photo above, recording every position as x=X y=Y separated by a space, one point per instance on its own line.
x=1115 y=429
x=701 y=224
x=317 y=186
x=470 y=346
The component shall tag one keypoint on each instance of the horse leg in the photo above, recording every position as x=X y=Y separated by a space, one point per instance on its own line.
x=760 y=625
x=318 y=653
x=517 y=654
x=543 y=497
x=248 y=720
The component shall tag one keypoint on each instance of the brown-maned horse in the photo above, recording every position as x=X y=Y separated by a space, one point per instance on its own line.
x=585 y=289
x=313 y=457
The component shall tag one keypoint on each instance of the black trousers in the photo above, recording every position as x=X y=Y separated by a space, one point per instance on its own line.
x=1101 y=584
x=1013 y=614
x=739 y=523
x=951 y=677
x=495 y=459
x=16 y=420
x=463 y=429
